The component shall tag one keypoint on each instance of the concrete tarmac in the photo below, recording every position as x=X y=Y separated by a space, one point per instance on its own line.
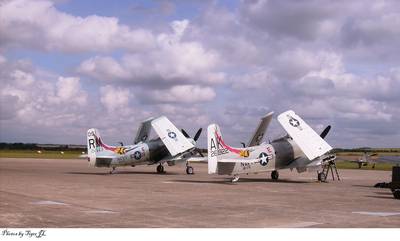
x=60 y=193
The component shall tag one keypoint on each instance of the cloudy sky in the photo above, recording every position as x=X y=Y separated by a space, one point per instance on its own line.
x=66 y=66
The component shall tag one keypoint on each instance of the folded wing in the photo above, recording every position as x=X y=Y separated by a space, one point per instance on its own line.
x=143 y=132
x=305 y=137
x=260 y=131
x=172 y=138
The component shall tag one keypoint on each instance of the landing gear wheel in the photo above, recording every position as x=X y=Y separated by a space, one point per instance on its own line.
x=359 y=165
x=321 y=177
x=189 y=170
x=235 y=179
x=160 y=169
x=396 y=193
x=274 y=175
x=113 y=170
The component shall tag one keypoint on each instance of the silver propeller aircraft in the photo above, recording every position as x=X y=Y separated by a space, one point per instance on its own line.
x=172 y=147
x=371 y=158
x=302 y=148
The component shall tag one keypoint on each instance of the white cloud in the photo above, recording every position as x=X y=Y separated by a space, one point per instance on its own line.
x=22 y=78
x=173 y=61
x=33 y=97
x=115 y=99
x=69 y=91
x=103 y=68
x=254 y=80
x=184 y=94
x=333 y=63
x=38 y=24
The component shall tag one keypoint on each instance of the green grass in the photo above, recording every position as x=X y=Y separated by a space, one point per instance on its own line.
x=351 y=165
x=44 y=155
x=378 y=166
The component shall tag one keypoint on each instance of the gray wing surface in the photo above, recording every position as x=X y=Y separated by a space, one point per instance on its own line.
x=143 y=132
x=260 y=130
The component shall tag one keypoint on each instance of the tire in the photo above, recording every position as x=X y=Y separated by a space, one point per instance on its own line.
x=160 y=169
x=189 y=170
x=321 y=177
x=396 y=193
x=274 y=175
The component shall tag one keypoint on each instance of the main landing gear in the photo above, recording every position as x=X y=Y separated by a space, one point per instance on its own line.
x=331 y=165
x=275 y=175
x=189 y=170
x=321 y=177
x=160 y=169
x=113 y=170
x=235 y=178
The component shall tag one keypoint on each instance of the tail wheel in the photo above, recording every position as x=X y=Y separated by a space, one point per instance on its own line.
x=189 y=170
x=274 y=175
x=160 y=169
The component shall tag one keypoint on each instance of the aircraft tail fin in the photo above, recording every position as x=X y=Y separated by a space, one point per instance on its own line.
x=212 y=147
x=96 y=145
x=305 y=137
x=93 y=146
x=219 y=152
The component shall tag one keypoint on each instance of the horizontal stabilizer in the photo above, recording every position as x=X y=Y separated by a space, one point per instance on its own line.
x=172 y=138
x=239 y=160
x=305 y=137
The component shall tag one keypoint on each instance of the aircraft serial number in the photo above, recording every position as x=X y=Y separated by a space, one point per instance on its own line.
x=219 y=152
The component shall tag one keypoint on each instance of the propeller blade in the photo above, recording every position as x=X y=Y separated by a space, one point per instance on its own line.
x=198 y=133
x=325 y=132
x=185 y=133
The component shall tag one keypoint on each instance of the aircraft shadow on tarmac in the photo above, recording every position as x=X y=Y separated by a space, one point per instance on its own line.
x=120 y=173
x=384 y=193
x=270 y=180
x=363 y=186
x=382 y=197
x=228 y=181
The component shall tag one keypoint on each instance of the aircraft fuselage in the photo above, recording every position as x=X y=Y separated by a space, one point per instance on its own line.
x=268 y=157
x=140 y=154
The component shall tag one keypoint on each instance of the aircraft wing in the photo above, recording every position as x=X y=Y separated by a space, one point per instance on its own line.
x=315 y=163
x=197 y=159
x=305 y=137
x=172 y=138
x=260 y=131
x=180 y=160
x=143 y=132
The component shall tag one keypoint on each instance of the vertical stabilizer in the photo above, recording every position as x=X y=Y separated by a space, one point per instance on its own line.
x=93 y=146
x=212 y=148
